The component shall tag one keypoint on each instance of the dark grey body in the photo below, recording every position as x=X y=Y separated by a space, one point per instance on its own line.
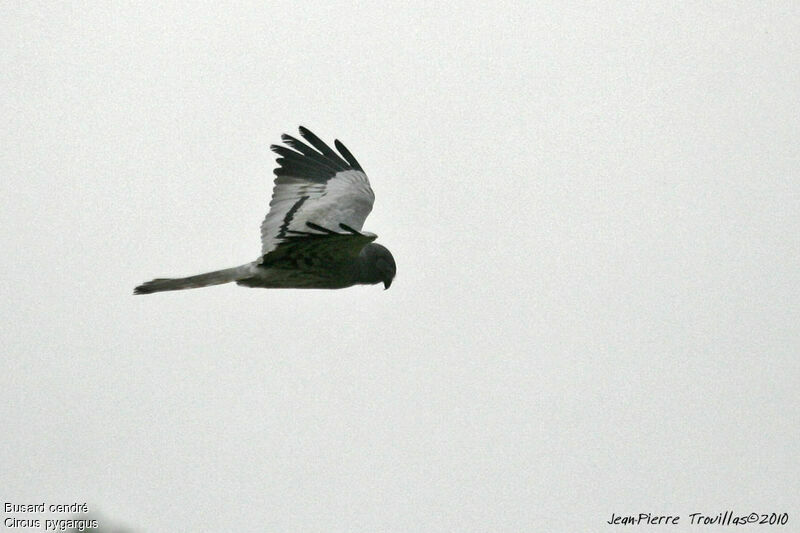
x=374 y=264
x=313 y=267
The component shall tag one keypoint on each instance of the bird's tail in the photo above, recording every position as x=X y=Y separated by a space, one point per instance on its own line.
x=192 y=282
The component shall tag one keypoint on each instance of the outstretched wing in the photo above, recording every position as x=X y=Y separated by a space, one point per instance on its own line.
x=316 y=185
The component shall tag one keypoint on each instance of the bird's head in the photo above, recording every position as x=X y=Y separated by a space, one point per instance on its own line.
x=379 y=265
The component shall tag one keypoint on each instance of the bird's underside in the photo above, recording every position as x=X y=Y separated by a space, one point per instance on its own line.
x=311 y=237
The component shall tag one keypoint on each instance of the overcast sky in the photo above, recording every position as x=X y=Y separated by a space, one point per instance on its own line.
x=595 y=213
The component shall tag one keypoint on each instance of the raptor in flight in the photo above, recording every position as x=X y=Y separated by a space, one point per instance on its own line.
x=311 y=238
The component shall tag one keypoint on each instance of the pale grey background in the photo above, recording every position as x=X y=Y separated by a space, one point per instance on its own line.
x=595 y=211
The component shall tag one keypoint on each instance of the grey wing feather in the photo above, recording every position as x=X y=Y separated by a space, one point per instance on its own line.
x=314 y=184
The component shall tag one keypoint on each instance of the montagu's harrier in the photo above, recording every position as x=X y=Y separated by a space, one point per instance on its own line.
x=311 y=237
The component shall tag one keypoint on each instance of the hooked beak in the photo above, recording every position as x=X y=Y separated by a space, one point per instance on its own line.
x=387 y=283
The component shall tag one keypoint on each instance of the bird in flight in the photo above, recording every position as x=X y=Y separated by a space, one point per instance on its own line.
x=311 y=237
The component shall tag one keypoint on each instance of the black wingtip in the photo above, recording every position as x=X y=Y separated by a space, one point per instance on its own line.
x=347 y=155
x=315 y=161
x=308 y=135
x=311 y=137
